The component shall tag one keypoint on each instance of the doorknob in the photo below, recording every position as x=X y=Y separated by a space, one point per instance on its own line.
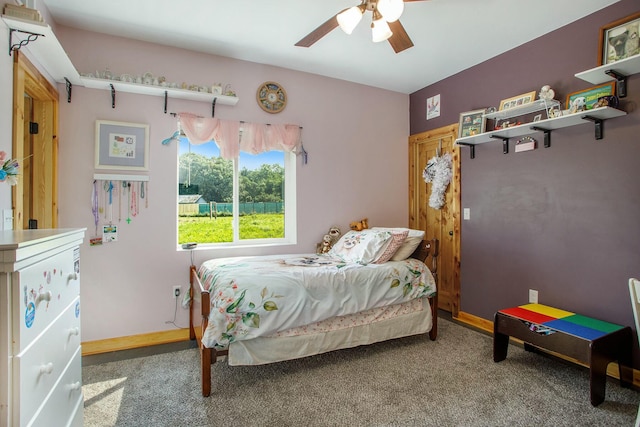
x=451 y=233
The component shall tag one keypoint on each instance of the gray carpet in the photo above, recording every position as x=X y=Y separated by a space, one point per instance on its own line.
x=408 y=382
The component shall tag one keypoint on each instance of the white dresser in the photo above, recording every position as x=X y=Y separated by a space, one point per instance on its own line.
x=40 y=355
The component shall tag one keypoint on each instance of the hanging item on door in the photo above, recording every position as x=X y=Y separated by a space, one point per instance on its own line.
x=438 y=173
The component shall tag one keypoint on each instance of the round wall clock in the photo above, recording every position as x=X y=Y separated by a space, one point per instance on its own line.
x=271 y=97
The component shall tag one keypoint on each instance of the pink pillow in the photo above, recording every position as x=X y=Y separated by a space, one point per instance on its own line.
x=396 y=241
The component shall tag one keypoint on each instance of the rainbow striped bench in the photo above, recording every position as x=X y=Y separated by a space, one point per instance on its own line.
x=590 y=341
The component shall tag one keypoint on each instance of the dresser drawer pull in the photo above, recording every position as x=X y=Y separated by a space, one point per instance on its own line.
x=75 y=386
x=74 y=331
x=44 y=296
x=73 y=276
x=46 y=369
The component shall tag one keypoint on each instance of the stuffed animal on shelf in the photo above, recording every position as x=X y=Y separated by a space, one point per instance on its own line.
x=328 y=240
x=360 y=225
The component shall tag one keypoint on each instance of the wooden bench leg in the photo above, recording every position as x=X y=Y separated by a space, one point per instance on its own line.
x=500 y=342
x=598 y=378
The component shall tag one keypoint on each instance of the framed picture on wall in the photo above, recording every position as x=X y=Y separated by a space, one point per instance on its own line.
x=619 y=40
x=471 y=123
x=585 y=99
x=517 y=101
x=121 y=145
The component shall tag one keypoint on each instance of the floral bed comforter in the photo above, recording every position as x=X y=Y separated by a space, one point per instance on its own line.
x=263 y=295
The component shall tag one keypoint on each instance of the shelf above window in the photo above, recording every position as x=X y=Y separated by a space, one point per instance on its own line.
x=143 y=89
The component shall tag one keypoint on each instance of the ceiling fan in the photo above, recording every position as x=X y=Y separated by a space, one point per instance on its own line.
x=385 y=23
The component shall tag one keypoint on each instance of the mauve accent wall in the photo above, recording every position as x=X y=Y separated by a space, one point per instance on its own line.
x=564 y=220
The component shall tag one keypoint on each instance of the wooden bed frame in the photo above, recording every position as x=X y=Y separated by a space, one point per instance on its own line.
x=199 y=310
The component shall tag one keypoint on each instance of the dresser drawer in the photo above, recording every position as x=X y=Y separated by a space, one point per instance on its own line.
x=66 y=402
x=39 y=367
x=41 y=292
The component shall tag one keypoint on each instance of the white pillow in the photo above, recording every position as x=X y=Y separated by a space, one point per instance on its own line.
x=362 y=247
x=409 y=245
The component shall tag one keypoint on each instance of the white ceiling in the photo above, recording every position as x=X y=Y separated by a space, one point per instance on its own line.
x=448 y=35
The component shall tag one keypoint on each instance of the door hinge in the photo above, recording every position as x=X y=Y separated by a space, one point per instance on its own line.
x=33 y=128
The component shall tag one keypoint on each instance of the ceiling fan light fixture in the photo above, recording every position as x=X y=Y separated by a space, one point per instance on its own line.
x=349 y=19
x=391 y=10
x=380 y=30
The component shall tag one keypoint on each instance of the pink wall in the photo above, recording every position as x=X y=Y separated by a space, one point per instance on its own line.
x=356 y=137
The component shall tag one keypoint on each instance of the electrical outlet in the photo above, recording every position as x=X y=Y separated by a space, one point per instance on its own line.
x=176 y=291
x=533 y=296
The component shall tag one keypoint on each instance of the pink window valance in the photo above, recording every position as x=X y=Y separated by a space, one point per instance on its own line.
x=235 y=136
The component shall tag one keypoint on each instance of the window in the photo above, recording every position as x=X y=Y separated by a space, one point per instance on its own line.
x=247 y=201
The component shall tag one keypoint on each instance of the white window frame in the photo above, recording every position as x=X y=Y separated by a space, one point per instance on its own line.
x=290 y=209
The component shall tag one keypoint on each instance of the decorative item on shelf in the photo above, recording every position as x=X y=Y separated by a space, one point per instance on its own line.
x=525 y=143
x=517 y=101
x=606 y=101
x=619 y=40
x=546 y=93
x=22 y=12
x=586 y=99
x=271 y=97
x=438 y=172
x=10 y=169
x=554 y=112
x=228 y=91
x=471 y=123
x=147 y=78
x=506 y=124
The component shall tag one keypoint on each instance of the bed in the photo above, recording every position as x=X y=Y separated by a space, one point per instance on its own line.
x=265 y=309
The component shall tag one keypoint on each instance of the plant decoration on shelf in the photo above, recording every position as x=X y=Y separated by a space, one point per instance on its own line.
x=10 y=169
x=438 y=172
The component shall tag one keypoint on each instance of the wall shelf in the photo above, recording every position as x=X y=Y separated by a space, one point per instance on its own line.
x=48 y=52
x=617 y=71
x=597 y=116
x=46 y=49
x=142 y=89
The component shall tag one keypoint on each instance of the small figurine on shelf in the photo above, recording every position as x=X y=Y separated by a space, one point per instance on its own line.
x=546 y=93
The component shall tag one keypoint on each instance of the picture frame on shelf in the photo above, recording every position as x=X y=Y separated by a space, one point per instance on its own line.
x=619 y=39
x=121 y=145
x=585 y=99
x=471 y=123
x=517 y=101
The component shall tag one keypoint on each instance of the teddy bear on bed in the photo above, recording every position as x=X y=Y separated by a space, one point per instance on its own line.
x=328 y=240
x=360 y=225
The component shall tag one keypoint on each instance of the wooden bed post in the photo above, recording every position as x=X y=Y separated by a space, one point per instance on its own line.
x=192 y=331
x=434 y=251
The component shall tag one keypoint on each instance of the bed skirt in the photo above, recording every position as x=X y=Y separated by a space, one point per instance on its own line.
x=263 y=350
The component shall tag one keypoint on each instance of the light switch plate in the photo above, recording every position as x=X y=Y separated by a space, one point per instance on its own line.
x=7 y=219
x=466 y=213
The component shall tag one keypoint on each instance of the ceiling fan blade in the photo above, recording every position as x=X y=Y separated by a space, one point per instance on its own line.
x=319 y=32
x=400 y=40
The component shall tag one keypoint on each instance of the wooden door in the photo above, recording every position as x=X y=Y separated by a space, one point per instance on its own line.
x=444 y=223
x=35 y=100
